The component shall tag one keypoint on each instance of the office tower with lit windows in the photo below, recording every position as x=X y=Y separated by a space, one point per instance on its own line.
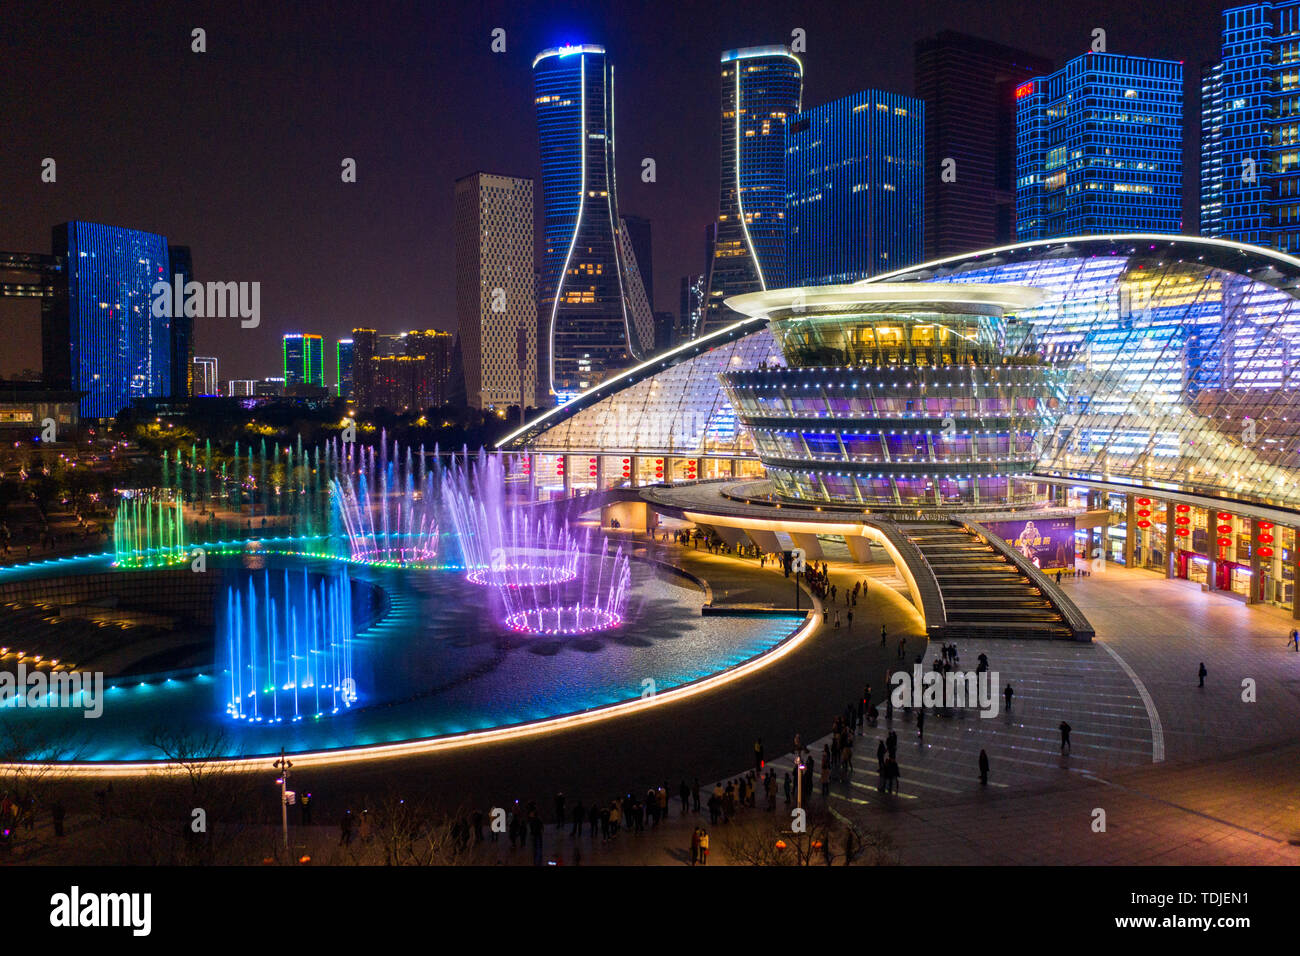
x=241 y=388
x=304 y=359
x=99 y=330
x=854 y=188
x=762 y=88
x=204 y=376
x=590 y=324
x=343 y=368
x=968 y=85
x=1099 y=148
x=1250 y=129
x=496 y=303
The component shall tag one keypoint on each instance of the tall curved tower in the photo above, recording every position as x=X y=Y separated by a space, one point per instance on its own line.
x=588 y=328
x=762 y=88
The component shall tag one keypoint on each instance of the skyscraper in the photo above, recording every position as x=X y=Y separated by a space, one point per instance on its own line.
x=204 y=376
x=762 y=88
x=343 y=368
x=1100 y=148
x=304 y=359
x=968 y=85
x=639 y=234
x=1250 y=128
x=496 y=305
x=854 y=188
x=100 y=334
x=589 y=326
x=181 y=265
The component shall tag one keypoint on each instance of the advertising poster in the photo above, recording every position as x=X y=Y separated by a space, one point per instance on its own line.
x=1047 y=542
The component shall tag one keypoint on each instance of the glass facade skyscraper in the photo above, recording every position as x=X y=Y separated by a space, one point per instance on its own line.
x=589 y=329
x=762 y=89
x=343 y=368
x=1250 y=129
x=304 y=359
x=1099 y=148
x=100 y=334
x=855 y=188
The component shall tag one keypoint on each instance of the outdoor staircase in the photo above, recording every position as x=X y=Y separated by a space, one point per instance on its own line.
x=984 y=594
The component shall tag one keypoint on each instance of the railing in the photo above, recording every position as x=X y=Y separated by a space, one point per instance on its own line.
x=1074 y=619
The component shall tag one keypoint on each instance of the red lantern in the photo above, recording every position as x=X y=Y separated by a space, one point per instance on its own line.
x=1181 y=532
x=559 y=465
x=1265 y=525
x=1266 y=552
x=1144 y=501
x=1225 y=516
x=1144 y=513
x=1225 y=529
x=1144 y=524
x=1182 y=519
x=1224 y=542
x=1265 y=539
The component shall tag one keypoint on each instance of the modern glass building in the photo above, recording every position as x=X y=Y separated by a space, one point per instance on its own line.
x=1099 y=148
x=343 y=357
x=854 y=173
x=1250 y=128
x=590 y=329
x=182 y=266
x=762 y=89
x=304 y=359
x=899 y=395
x=1180 y=365
x=100 y=334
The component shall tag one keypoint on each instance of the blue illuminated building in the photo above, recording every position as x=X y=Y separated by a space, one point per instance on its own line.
x=588 y=330
x=1099 y=148
x=762 y=89
x=99 y=334
x=1250 y=129
x=855 y=188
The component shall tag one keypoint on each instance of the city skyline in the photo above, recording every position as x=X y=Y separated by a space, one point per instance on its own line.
x=251 y=234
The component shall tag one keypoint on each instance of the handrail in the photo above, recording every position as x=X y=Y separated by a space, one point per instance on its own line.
x=1074 y=619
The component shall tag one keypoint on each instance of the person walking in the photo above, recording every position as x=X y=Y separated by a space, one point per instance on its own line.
x=1293 y=641
x=1008 y=694
x=704 y=847
x=1065 y=737
x=882 y=635
x=1201 y=674
x=891 y=744
x=984 y=768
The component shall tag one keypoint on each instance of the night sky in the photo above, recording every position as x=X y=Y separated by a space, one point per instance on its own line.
x=236 y=152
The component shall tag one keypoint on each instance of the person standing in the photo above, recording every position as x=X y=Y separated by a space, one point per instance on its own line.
x=882 y=635
x=704 y=847
x=1065 y=737
x=695 y=846
x=891 y=744
x=1008 y=694
x=1293 y=641
x=984 y=768
x=1202 y=673
x=880 y=756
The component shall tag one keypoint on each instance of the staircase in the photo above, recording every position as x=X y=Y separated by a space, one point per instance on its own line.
x=984 y=594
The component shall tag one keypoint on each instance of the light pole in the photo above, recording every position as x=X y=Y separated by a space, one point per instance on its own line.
x=283 y=766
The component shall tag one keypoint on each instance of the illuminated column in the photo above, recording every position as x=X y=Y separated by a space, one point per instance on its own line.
x=1252 y=596
x=1211 y=548
x=531 y=459
x=668 y=470
x=735 y=468
x=1130 y=528
x=566 y=467
x=600 y=473
x=1171 y=542
x=633 y=464
x=1295 y=574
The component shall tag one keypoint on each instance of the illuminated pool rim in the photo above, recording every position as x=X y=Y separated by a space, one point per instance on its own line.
x=418 y=746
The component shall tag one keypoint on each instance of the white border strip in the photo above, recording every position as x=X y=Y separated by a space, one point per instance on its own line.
x=1157 y=729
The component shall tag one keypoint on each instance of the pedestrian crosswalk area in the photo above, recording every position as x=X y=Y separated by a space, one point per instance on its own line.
x=1053 y=682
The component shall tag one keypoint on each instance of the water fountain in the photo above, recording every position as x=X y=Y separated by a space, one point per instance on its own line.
x=149 y=529
x=389 y=514
x=288 y=644
x=551 y=580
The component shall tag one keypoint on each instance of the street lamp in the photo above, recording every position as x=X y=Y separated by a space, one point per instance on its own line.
x=283 y=765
